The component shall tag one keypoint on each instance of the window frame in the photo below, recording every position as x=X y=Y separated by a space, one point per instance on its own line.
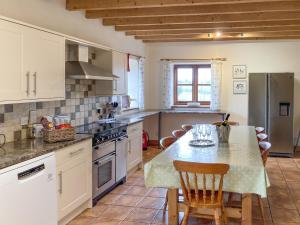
x=194 y=84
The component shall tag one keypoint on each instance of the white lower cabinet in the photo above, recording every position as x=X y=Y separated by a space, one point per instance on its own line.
x=135 y=145
x=74 y=180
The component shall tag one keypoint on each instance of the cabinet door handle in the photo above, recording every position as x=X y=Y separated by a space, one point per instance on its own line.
x=115 y=85
x=27 y=83
x=60 y=190
x=34 y=76
x=76 y=152
x=129 y=146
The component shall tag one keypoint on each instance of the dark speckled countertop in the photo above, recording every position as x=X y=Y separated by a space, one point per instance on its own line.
x=19 y=151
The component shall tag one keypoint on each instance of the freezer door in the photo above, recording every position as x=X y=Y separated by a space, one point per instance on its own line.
x=281 y=99
x=257 y=102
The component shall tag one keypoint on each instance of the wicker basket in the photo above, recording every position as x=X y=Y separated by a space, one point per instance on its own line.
x=52 y=136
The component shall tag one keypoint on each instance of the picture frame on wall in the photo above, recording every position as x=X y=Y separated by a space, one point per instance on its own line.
x=239 y=71
x=240 y=87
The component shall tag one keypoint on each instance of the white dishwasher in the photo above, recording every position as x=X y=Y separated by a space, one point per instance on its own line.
x=28 y=192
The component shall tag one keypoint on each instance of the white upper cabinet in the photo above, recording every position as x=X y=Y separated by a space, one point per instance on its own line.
x=13 y=75
x=119 y=64
x=48 y=67
x=32 y=64
x=115 y=62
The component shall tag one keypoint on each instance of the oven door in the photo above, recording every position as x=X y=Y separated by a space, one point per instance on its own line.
x=104 y=174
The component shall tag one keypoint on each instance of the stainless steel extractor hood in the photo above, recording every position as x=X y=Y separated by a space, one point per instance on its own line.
x=78 y=66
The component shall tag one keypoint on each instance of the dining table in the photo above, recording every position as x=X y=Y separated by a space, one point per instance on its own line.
x=246 y=176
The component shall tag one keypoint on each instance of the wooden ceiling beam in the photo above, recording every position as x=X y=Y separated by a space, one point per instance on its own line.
x=119 y=4
x=196 y=10
x=217 y=18
x=224 y=39
x=224 y=35
x=162 y=27
x=213 y=30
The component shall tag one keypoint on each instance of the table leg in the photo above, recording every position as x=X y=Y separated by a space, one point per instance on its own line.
x=247 y=209
x=173 y=206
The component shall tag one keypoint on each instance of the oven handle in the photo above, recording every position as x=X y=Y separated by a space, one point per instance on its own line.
x=104 y=160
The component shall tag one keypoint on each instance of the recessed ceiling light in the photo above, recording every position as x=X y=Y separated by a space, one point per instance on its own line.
x=218 y=34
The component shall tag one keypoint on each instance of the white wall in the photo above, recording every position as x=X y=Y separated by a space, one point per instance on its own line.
x=51 y=14
x=280 y=56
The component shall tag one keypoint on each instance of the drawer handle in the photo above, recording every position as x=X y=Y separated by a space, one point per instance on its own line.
x=60 y=190
x=76 y=152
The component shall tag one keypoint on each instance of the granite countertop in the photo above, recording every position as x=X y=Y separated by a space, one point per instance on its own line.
x=19 y=151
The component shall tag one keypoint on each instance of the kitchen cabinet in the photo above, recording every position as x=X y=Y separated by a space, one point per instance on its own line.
x=74 y=180
x=119 y=63
x=32 y=64
x=118 y=67
x=135 y=145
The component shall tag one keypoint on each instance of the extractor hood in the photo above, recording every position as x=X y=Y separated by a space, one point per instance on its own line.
x=78 y=66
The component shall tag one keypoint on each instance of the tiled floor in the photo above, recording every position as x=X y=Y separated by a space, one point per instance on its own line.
x=134 y=204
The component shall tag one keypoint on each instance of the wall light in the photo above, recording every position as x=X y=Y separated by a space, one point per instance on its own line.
x=218 y=34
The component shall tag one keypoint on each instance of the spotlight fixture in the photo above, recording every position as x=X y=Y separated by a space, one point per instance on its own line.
x=218 y=34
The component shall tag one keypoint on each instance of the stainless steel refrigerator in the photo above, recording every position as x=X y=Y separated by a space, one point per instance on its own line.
x=270 y=105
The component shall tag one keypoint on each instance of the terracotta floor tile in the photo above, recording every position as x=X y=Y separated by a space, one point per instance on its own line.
x=82 y=220
x=142 y=215
x=285 y=216
x=138 y=190
x=115 y=212
x=139 y=173
x=152 y=203
x=281 y=203
x=105 y=222
x=132 y=180
x=158 y=192
x=278 y=183
x=133 y=223
x=121 y=189
x=275 y=175
x=95 y=211
x=140 y=182
x=162 y=219
x=109 y=198
x=292 y=175
x=128 y=200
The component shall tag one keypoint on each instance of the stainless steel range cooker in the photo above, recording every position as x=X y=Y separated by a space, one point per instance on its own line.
x=110 y=143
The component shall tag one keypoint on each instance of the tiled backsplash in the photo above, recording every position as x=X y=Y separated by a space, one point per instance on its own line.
x=81 y=105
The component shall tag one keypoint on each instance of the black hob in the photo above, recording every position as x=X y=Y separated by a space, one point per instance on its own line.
x=103 y=132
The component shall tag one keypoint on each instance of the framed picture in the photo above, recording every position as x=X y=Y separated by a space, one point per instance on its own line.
x=239 y=71
x=240 y=87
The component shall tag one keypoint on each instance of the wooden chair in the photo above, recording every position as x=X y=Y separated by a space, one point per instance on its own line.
x=264 y=149
x=231 y=123
x=205 y=199
x=187 y=127
x=166 y=142
x=178 y=133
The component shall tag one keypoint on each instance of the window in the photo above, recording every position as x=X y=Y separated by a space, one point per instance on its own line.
x=133 y=82
x=192 y=83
